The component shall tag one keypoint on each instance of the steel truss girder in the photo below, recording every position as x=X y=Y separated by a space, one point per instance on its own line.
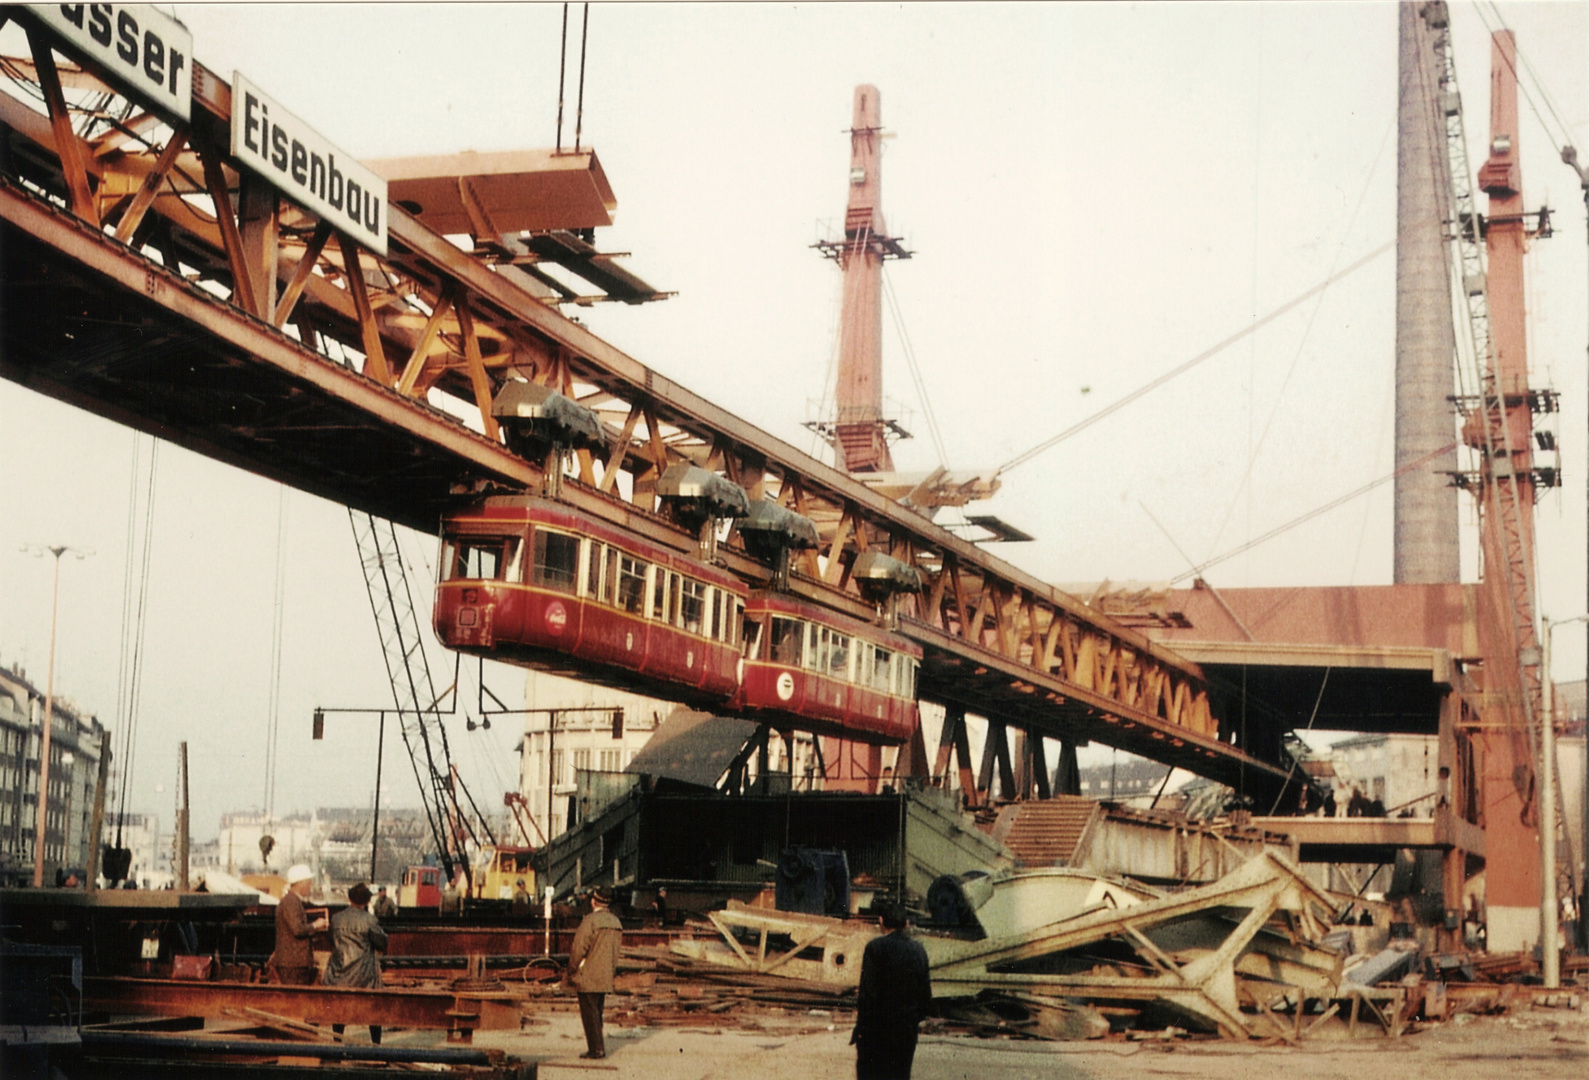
x=431 y=1009
x=1205 y=981
x=978 y=612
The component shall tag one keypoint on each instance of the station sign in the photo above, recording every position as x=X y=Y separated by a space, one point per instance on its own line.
x=306 y=168
x=143 y=52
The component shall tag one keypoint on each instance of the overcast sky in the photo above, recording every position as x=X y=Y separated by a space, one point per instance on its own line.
x=1094 y=193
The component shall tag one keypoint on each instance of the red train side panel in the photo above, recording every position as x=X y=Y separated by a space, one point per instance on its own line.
x=536 y=582
x=815 y=670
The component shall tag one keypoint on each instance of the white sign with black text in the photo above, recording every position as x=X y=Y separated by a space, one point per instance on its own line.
x=306 y=168
x=143 y=51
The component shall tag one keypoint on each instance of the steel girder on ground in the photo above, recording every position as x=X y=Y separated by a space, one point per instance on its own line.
x=194 y=305
x=1248 y=939
x=457 y=1013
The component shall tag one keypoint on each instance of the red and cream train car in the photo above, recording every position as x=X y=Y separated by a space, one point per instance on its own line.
x=840 y=676
x=536 y=582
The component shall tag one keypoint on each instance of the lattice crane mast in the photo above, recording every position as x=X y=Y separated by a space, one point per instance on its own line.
x=413 y=690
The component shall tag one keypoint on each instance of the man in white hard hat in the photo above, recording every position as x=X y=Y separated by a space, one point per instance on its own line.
x=293 y=960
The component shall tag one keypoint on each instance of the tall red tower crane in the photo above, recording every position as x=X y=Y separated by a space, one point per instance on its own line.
x=859 y=432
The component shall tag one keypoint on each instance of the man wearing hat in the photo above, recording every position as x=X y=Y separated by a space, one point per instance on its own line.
x=592 y=961
x=356 y=936
x=293 y=960
x=385 y=906
x=521 y=900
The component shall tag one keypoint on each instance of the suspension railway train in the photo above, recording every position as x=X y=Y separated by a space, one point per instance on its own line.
x=534 y=581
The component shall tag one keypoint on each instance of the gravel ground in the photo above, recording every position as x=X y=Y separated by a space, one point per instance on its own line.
x=1543 y=1044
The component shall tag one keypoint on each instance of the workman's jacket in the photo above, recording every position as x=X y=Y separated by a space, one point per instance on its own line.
x=356 y=936
x=594 y=956
x=293 y=947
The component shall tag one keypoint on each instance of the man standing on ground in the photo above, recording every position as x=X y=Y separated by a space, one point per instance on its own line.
x=356 y=936
x=895 y=994
x=293 y=959
x=592 y=961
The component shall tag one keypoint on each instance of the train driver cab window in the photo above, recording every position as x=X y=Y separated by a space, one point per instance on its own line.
x=631 y=584
x=736 y=620
x=481 y=558
x=556 y=560
x=787 y=641
x=691 y=604
x=753 y=641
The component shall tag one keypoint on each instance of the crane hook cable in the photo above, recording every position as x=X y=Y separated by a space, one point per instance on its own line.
x=1021 y=459
x=1311 y=514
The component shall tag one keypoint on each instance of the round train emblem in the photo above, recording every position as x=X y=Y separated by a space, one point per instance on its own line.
x=785 y=686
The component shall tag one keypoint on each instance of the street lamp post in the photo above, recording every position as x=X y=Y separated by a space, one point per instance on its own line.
x=1549 y=906
x=41 y=819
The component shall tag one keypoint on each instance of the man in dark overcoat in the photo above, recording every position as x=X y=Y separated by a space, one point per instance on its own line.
x=895 y=995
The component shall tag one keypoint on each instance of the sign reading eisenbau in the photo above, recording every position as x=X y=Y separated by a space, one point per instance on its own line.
x=143 y=51
x=306 y=168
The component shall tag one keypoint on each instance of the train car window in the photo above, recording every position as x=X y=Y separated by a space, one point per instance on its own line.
x=753 y=640
x=593 y=570
x=692 y=605
x=673 y=599
x=909 y=679
x=632 y=584
x=736 y=621
x=883 y=671
x=609 y=576
x=788 y=637
x=863 y=664
x=556 y=561
x=839 y=657
x=818 y=658
x=659 y=596
x=714 y=629
x=478 y=558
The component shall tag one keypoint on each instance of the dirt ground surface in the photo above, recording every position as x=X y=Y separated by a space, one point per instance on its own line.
x=1536 y=1043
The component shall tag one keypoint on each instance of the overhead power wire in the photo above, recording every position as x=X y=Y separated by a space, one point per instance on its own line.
x=1254 y=449
x=928 y=413
x=1416 y=463
x=1074 y=429
x=135 y=672
x=273 y=708
x=1565 y=138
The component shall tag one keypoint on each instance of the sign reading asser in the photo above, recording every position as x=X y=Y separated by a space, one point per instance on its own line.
x=143 y=51
x=306 y=168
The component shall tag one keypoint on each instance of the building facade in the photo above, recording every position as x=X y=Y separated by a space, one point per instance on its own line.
x=75 y=740
x=572 y=727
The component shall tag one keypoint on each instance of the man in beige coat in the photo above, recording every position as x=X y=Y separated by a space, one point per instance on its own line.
x=592 y=961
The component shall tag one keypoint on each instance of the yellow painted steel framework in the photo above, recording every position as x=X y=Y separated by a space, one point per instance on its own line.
x=154 y=215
